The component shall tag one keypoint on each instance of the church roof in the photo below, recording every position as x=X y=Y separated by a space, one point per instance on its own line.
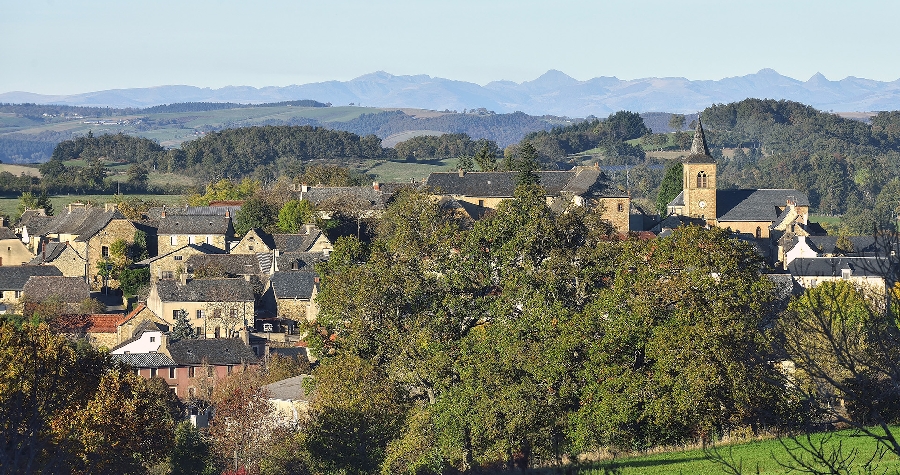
x=699 y=149
x=756 y=205
x=581 y=181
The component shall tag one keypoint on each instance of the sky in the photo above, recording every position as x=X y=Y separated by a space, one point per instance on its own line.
x=67 y=47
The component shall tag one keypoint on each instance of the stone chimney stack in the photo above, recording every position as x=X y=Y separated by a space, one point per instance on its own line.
x=164 y=344
x=304 y=187
x=375 y=186
x=182 y=278
x=462 y=173
x=163 y=214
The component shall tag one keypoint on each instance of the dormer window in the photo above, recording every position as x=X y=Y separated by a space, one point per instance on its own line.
x=702 y=180
x=845 y=273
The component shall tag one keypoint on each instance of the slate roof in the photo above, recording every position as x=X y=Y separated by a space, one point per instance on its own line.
x=194 y=224
x=53 y=251
x=15 y=277
x=296 y=242
x=302 y=261
x=293 y=285
x=83 y=222
x=579 y=181
x=861 y=244
x=290 y=389
x=156 y=212
x=66 y=289
x=678 y=200
x=263 y=236
x=832 y=266
x=145 y=360
x=205 y=290
x=321 y=194
x=35 y=222
x=6 y=233
x=699 y=150
x=95 y=220
x=214 y=351
x=202 y=248
x=230 y=264
x=755 y=205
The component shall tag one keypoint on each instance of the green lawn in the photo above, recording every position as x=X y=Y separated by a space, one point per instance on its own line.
x=761 y=455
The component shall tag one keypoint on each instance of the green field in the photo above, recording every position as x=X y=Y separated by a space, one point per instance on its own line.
x=404 y=171
x=8 y=205
x=756 y=457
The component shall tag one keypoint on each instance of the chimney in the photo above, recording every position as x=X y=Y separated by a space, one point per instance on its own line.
x=304 y=187
x=245 y=336
x=163 y=344
x=163 y=214
x=316 y=280
x=44 y=249
x=182 y=278
x=375 y=185
x=227 y=213
x=110 y=207
x=309 y=228
x=597 y=165
x=462 y=173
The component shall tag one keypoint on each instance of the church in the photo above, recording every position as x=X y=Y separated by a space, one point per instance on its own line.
x=763 y=214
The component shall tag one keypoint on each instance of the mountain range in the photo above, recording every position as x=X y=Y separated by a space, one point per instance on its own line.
x=553 y=93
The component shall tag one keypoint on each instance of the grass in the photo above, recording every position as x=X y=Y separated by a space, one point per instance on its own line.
x=8 y=205
x=758 y=455
x=404 y=171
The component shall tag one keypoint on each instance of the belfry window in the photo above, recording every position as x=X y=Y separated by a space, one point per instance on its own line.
x=702 y=180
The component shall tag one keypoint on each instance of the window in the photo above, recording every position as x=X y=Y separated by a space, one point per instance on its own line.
x=758 y=232
x=173 y=240
x=230 y=368
x=208 y=239
x=167 y=274
x=178 y=258
x=621 y=207
x=209 y=371
x=171 y=372
x=200 y=314
x=152 y=339
x=191 y=372
x=152 y=372
x=18 y=293
x=250 y=247
x=480 y=202
x=175 y=315
x=191 y=391
x=104 y=251
x=702 y=180
x=137 y=371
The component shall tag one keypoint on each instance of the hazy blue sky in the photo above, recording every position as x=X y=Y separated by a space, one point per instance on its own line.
x=62 y=46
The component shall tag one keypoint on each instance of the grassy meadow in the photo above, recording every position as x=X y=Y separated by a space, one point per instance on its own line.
x=763 y=457
x=9 y=204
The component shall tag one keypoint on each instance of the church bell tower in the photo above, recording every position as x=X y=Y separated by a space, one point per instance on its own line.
x=699 y=183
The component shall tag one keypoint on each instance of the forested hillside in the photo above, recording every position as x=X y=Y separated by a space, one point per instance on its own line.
x=235 y=153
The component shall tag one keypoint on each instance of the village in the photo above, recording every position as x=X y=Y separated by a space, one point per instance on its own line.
x=235 y=300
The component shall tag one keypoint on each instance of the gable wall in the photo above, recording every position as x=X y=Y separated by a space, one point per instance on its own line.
x=13 y=252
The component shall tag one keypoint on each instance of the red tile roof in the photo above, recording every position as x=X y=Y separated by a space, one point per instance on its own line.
x=94 y=323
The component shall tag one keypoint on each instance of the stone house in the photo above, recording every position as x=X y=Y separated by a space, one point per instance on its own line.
x=90 y=231
x=13 y=252
x=257 y=241
x=100 y=329
x=182 y=363
x=291 y=296
x=216 y=308
x=290 y=398
x=477 y=192
x=362 y=201
x=875 y=274
x=172 y=264
x=175 y=231
x=69 y=292
x=62 y=256
x=134 y=322
x=13 y=280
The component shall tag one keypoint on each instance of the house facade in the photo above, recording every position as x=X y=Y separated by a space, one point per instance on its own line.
x=216 y=308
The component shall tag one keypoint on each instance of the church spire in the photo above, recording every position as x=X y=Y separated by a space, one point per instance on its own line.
x=698 y=146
